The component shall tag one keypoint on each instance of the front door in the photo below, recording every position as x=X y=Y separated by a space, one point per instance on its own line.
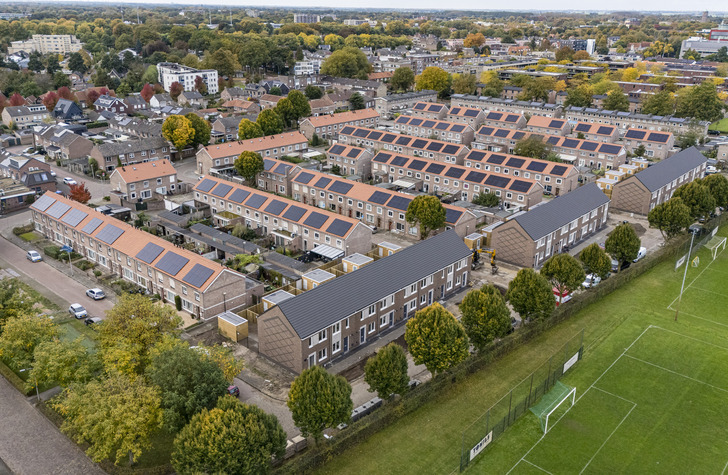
x=429 y=298
x=442 y=291
x=362 y=335
x=312 y=360
x=346 y=344
x=391 y=319
x=404 y=313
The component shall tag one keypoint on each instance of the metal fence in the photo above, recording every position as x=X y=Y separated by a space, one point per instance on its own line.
x=493 y=422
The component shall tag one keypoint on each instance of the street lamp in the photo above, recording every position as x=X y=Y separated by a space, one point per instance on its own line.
x=694 y=229
x=37 y=393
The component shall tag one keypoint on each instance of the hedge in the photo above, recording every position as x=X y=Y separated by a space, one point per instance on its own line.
x=12 y=378
x=52 y=251
x=22 y=229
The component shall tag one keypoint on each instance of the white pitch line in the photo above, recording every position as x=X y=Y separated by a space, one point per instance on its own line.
x=690 y=337
x=614 y=395
x=702 y=318
x=676 y=373
x=542 y=469
x=607 y=439
x=724 y=468
x=710 y=291
x=669 y=307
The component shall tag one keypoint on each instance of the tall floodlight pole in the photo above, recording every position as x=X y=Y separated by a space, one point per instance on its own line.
x=693 y=232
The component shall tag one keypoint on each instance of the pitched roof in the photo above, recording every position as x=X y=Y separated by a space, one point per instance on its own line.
x=347 y=151
x=342 y=117
x=145 y=171
x=270 y=98
x=663 y=172
x=323 y=306
x=418 y=143
x=322 y=102
x=238 y=103
x=546 y=122
x=255 y=145
x=548 y=217
x=117 y=148
x=441 y=125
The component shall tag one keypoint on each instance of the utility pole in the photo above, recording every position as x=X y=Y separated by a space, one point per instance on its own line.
x=138 y=22
x=122 y=14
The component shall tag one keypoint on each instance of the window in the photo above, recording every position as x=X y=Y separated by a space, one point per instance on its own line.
x=371 y=327
x=336 y=328
x=322 y=336
x=372 y=310
x=322 y=354
x=335 y=347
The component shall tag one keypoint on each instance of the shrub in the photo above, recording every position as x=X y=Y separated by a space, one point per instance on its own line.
x=178 y=302
x=84 y=265
x=107 y=198
x=97 y=273
x=52 y=251
x=22 y=229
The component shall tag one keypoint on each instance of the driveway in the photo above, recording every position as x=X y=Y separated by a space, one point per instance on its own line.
x=98 y=189
x=31 y=444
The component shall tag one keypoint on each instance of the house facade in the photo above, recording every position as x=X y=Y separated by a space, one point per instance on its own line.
x=512 y=106
x=392 y=104
x=111 y=104
x=169 y=73
x=454 y=132
x=328 y=126
x=25 y=117
x=142 y=181
x=350 y=160
x=657 y=144
x=109 y=154
x=67 y=110
x=276 y=176
x=429 y=110
x=466 y=115
x=631 y=120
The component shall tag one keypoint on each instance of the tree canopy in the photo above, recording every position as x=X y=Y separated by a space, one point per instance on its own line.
x=436 y=339
x=202 y=130
x=696 y=196
x=386 y=372
x=434 y=78
x=595 y=260
x=347 y=62
x=670 y=217
x=402 y=79
x=248 y=165
x=427 y=212
x=270 y=122
x=564 y=272
x=247 y=129
x=22 y=334
x=178 y=130
x=531 y=295
x=622 y=243
x=485 y=316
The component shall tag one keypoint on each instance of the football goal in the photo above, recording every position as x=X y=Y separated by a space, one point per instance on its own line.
x=551 y=401
x=716 y=243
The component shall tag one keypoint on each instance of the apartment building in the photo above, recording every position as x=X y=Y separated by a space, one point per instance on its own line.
x=504 y=120
x=529 y=239
x=429 y=110
x=513 y=106
x=327 y=126
x=466 y=115
x=352 y=161
x=454 y=132
x=656 y=184
x=205 y=288
x=373 y=205
x=465 y=183
x=630 y=120
x=222 y=156
x=657 y=144
x=309 y=329
x=170 y=73
x=596 y=132
x=546 y=125
x=46 y=44
x=109 y=154
x=141 y=181
x=276 y=176
x=406 y=145
x=25 y=117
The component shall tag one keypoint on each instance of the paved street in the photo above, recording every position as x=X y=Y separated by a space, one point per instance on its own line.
x=31 y=444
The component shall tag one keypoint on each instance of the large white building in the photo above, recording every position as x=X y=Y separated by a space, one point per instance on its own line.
x=309 y=67
x=45 y=44
x=172 y=72
x=306 y=18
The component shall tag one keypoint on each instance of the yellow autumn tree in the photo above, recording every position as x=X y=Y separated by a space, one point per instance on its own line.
x=178 y=130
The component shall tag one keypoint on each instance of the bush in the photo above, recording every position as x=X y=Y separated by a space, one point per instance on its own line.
x=107 y=198
x=178 y=302
x=84 y=265
x=22 y=229
x=29 y=237
x=97 y=273
x=52 y=251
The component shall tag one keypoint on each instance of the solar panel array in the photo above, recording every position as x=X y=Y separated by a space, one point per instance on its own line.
x=417 y=164
x=583 y=128
x=361 y=132
x=450 y=149
x=486 y=130
x=276 y=207
x=657 y=137
x=171 y=263
x=497 y=159
x=589 y=146
x=239 y=195
x=198 y=275
x=268 y=164
x=322 y=182
x=339 y=227
x=294 y=213
x=399 y=160
x=611 y=149
x=109 y=234
x=282 y=169
x=497 y=181
x=556 y=124
x=494 y=116
x=570 y=143
x=635 y=134
x=471 y=113
x=502 y=133
x=379 y=197
x=337 y=149
x=375 y=135
x=537 y=167
x=304 y=177
x=149 y=252
x=552 y=140
x=457 y=128
x=382 y=157
x=476 y=155
x=435 y=168
x=420 y=106
x=399 y=202
x=518 y=135
x=452 y=215
x=476 y=177
x=57 y=210
x=515 y=162
x=255 y=201
x=434 y=146
x=315 y=220
x=43 y=203
x=403 y=140
x=341 y=187
x=91 y=226
x=605 y=130
x=558 y=170
x=222 y=189
x=74 y=217
x=520 y=186
x=455 y=172
x=353 y=153
x=206 y=185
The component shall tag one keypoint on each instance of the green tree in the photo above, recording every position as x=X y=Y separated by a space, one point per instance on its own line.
x=300 y=104
x=579 y=96
x=485 y=316
x=22 y=334
x=270 y=122
x=622 y=243
x=463 y=83
x=12 y=303
x=402 y=79
x=188 y=383
x=564 y=272
x=275 y=91
x=232 y=438
x=318 y=400
x=696 y=196
x=489 y=200
x=537 y=89
x=116 y=416
x=347 y=62
x=436 y=79
x=640 y=151
x=565 y=53
x=718 y=186
x=436 y=339
x=178 y=130
x=660 y=103
x=286 y=111
x=492 y=85
x=63 y=362
x=248 y=165
x=61 y=80
x=670 y=217
x=616 y=101
x=356 y=101
x=386 y=372
x=427 y=212
x=224 y=61
x=249 y=130
x=595 y=260
x=531 y=295
x=52 y=64
x=700 y=102
x=313 y=92
x=202 y=130
x=533 y=147
x=35 y=62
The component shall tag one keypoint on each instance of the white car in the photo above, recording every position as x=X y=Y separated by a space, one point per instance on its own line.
x=591 y=281
x=77 y=310
x=69 y=181
x=33 y=256
x=710 y=169
x=53 y=174
x=96 y=293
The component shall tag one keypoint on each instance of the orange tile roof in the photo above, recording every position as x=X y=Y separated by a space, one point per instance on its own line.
x=342 y=117
x=255 y=145
x=463 y=112
x=546 y=122
x=344 y=150
x=595 y=128
x=270 y=98
x=238 y=103
x=322 y=102
x=381 y=75
x=520 y=162
x=145 y=171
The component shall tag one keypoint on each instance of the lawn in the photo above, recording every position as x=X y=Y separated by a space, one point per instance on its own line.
x=30 y=237
x=721 y=125
x=653 y=407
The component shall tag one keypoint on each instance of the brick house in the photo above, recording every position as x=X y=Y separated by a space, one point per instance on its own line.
x=191 y=98
x=328 y=126
x=109 y=154
x=142 y=181
x=135 y=103
x=111 y=104
x=227 y=127
x=15 y=166
x=301 y=332
x=546 y=125
x=322 y=106
x=629 y=120
x=268 y=101
x=276 y=176
x=657 y=144
x=240 y=106
x=510 y=106
x=531 y=238
x=39 y=181
x=466 y=115
x=437 y=129
x=504 y=120
x=14 y=195
x=351 y=160
x=596 y=132
x=271 y=146
x=24 y=116
x=392 y=104
x=232 y=93
x=429 y=110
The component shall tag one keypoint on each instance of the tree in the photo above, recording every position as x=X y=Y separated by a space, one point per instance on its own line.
x=12 y=304
x=200 y=85
x=485 y=316
x=434 y=78
x=275 y=91
x=489 y=200
x=533 y=147
x=63 y=362
x=22 y=334
x=402 y=79
x=493 y=86
x=116 y=416
x=718 y=186
x=300 y=104
x=660 y=103
x=248 y=165
x=696 y=196
x=579 y=96
x=232 y=438
x=356 y=101
x=670 y=217
x=622 y=243
x=616 y=101
x=347 y=62
x=270 y=122
x=474 y=40
x=16 y=100
x=79 y=192
x=537 y=89
x=175 y=89
x=318 y=400
x=531 y=295
x=427 y=212
x=224 y=61
x=463 y=84
x=436 y=339
x=76 y=63
x=132 y=327
x=595 y=260
x=35 y=62
x=564 y=272
x=188 y=383
x=50 y=100
x=286 y=111
x=565 y=53
x=61 y=80
x=247 y=129
x=700 y=102
x=581 y=56
x=178 y=130
x=313 y=92
x=640 y=151
x=147 y=92
x=201 y=128
x=386 y=372
x=52 y=64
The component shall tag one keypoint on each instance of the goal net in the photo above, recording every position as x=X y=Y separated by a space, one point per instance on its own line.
x=716 y=243
x=551 y=401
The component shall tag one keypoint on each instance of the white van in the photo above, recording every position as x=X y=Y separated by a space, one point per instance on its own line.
x=641 y=253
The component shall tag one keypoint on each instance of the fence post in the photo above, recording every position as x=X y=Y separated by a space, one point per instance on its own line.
x=487 y=422
x=510 y=400
x=530 y=389
x=548 y=375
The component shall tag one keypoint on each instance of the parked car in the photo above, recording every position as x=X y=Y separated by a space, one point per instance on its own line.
x=69 y=181
x=78 y=311
x=234 y=391
x=641 y=253
x=53 y=174
x=591 y=280
x=710 y=169
x=34 y=256
x=96 y=293
x=93 y=320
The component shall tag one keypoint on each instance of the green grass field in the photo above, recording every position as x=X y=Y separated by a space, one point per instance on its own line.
x=721 y=125
x=651 y=392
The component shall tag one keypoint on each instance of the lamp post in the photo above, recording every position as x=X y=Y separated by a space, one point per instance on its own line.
x=224 y=301
x=37 y=393
x=694 y=229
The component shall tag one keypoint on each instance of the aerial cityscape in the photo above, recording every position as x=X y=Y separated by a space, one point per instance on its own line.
x=363 y=238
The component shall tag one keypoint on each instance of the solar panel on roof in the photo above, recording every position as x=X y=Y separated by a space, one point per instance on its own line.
x=206 y=185
x=282 y=169
x=339 y=227
x=171 y=263
x=341 y=187
x=570 y=143
x=420 y=106
x=457 y=128
x=222 y=189
x=520 y=186
x=353 y=153
x=92 y=225
x=382 y=157
x=475 y=177
x=515 y=162
x=470 y=113
x=399 y=160
x=455 y=172
x=476 y=155
x=552 y=140
x=518 y=135
x=239 y=195
x=74 y=217
x=442 y=126
x=43 y=203
x=450 y=149
x=589 y=146
x=605 y=130
x=417 y=164
x=399 y=202
x=661 y=138
x=435 y=168
x=419 y=143
x=294 y=213
x=304 y=177
x=497 y=159
x=403 y=140
x=322 y=182
x=434 y=107
x=109 y=234
x=556 y=124
x=415 y=121
x=537 y=167
x=486 y=130
x=635 y=134
x=276 y=207
x=558 y=170
x=149 y=252
x=361 y=132
x=608 y=148
x=455 y=110
x=379 y=197
x=375 y=135
x=434 y=146
x=256 y=201
x=403 y=119
x=502 y=133
x=198 y=275
x=388 y=138
x=315 y=220
x=497 y=181
x=495 y=116
x=452 y=215
x=57 y=210
x=347 y=130
x=583 y=128
x=268 y=164
x=337 y=149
